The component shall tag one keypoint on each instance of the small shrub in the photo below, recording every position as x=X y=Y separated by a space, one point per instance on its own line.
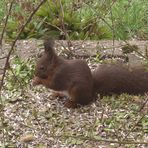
x=81 y=20
x=19 y=74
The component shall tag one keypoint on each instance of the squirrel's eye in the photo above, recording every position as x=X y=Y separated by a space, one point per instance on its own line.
x=42 y=68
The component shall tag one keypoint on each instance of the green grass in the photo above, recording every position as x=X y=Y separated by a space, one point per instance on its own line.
x=84 y=20
x=130 y=18
x=20 y=73
x=2 y=9
x=2 y=13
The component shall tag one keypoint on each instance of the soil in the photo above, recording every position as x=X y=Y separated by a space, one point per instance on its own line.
x=32 y=47
x=35 y=118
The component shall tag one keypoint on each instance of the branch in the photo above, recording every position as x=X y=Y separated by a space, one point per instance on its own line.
x=63 y=25
x=14 y=42
x=6 y=21
x=133 y=128
x=7 y=63
x=99 y=139
x=3 y=57
x=143 y=105
x=113 y=29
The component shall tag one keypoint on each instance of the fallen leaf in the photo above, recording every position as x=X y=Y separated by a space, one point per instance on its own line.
x=27 y=138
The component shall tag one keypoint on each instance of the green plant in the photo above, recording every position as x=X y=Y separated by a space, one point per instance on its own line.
x=86 y=19
x=77 y=19
x=19 y=74
x=129 y=18
x=2 y=9
x=2 y=13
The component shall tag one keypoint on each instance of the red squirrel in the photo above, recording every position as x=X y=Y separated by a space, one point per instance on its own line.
x=75 y=78
x=72 y=77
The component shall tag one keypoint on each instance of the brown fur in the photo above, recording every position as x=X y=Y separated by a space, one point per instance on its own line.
x=74 y=78
x=117 y=79
x=58 y=74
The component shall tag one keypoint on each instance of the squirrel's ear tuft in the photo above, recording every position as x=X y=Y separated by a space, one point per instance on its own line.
x=48 y=45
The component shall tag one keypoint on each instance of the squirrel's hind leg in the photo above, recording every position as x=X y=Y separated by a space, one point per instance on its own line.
x=70 y=104
x=74 y=97
x=78 y=95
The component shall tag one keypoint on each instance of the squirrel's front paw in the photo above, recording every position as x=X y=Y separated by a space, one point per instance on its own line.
x=56 y=94
x=70 y=104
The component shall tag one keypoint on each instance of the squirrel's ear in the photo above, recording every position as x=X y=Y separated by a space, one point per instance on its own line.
x=48 y=45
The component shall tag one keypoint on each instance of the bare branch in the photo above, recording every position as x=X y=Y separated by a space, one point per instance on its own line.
x=143 y=105
x=100 y=139
x=6 y=21
x=63 y=25
x=14 y=42
x=7 y=63
x=133 y=128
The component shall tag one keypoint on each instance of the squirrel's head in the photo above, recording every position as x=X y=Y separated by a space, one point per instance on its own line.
x=46 y=64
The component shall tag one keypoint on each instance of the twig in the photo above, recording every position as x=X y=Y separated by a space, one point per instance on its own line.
x=52 y=25
x=139 y=53
x=67 y=51
x=7 y=63
x=6 y=21
x=100 y=140
x=133 y=128
x=3 y=57
x=107 y=11
x=63 y=25
x=17 y=80
x=17 y=37
x=113 y=29
x=143 y=105
x=146 y=51
x=1 y=111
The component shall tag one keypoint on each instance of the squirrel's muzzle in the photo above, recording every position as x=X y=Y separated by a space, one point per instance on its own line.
x=36 y=81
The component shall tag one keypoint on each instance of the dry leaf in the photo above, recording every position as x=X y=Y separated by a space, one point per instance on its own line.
x=27 y=138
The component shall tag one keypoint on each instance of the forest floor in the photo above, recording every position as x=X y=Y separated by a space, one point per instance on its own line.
x=33 y=117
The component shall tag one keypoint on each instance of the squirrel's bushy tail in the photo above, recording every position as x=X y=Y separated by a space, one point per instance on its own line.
x=118 y=78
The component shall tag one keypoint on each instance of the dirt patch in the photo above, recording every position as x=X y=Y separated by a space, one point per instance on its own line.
x=29 y=48
x=34 y=118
